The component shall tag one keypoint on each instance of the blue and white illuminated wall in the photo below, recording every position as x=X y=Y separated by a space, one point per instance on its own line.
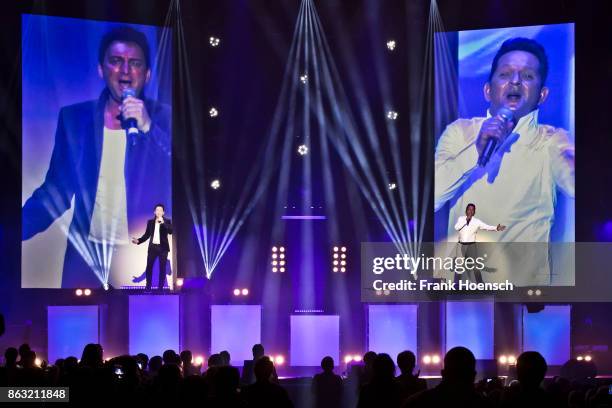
x=470 y=324
x=154 y=324
x=70 y=328
x=392 y=328
x=235 y=328
x=314 y=337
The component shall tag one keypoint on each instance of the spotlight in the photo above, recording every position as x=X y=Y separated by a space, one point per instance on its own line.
x=343 y=249
x=343 y=269
x=282 y=270
x=302 y=150
x=105 y=286
x=335 y=269
x=387 y=292
x=213 y=112
x=214 y=41
x=87 y=292
x=245 y=292
x=426 y=359
x=503 y=359
x=282 y=249
x=274 y=270
x=392 y=115
x=274 y=249
x=435 y=359
x=179 y=282
x=579 y=358
x=530 y=292
x=391 y=45
x=215 y=184
x=538 y=292
x=348 y=359
x=38 y=362
x=279 y=360
x=236 y=292
x=335 y=256
x=392 y=186
x=304 y=78
x=588 y=358
x=199 y=360
x=511 y=359
x=78 y=292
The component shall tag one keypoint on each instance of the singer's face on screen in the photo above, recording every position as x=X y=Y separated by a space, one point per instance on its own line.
x=516 y=84
x=124 y=67
x=159 y=211
x=470 y=211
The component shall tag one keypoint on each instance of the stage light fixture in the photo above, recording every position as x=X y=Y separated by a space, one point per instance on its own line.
x=511 y=359
x=391 y=45
x=378 y=292
x=335 y=269
x=78 y=292
x=282 y=249
x=274 y=270
x=427 y=359
x=357 y=358
x=386 y=292
x=304 y=78
x=530 y=292
x=503 y=359
x=213 y=112
x=348 y=359
x=105 y=286
x=180 y=282
x=38 y=362
x=392 y=115
x=279 y=360
x=236 y=292
x=215 y=184
x=392 y=186
x=282 y=270
x=214 y=41
x=343 y=249
x=435 y=359
x=302 y=150
x=588 y=358
x=199 y=360
x=538 y=292
x=278 y=259
x=87 y=292
x=245 y=292
x=579 y=358
x=336 y=249
x=342 y=269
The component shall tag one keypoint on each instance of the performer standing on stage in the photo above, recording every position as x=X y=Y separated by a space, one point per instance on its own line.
x=157 y=232
x=467 y=226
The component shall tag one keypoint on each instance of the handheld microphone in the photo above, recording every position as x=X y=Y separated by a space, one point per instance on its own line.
x=130 y=123
x=506 y=116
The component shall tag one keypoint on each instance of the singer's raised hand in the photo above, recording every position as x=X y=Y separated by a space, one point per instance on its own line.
x=492 y=128
x=135 y=108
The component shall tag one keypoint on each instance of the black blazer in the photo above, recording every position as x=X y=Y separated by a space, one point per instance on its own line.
x=164 y=230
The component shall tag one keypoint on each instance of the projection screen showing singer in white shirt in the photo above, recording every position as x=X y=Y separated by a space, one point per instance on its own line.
x=504 y=129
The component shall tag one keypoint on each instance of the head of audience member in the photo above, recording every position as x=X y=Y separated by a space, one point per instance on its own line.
x=383 y=369
x=23 y=351
x=143 y=360
x=258 y=351
x=28 y=360
x=92 y=356
x=169 y=377
x=530 y=369
x=406 y=361
x=327 y=364
x=155 y=363
x=263 y=369
x=10 y=357
x=186 y=358
x=368 y=359
x=226 y=381
x=215 y=361
x=459 y=367
x=225 y=357
x=170 y=357
x=71 y=364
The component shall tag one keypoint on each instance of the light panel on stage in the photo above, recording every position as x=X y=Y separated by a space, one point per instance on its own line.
x=470 y=324
x=154 y=324
x=235 y=328
x=70 y=328
x=548 y=332
x=314 y=337
x=400 y=320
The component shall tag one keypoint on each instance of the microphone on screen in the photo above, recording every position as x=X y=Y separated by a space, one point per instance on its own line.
x=506 y=116
x=130 y=123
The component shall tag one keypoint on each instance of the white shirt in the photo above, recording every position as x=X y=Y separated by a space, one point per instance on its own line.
x=109 y=219
x=156 y=233
x=518 y=185
x=467 y=232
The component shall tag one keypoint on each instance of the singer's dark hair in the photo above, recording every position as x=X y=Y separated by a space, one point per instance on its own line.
x=523 y=44
x=125 y=34
x=159 y=205
x=470 y=205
